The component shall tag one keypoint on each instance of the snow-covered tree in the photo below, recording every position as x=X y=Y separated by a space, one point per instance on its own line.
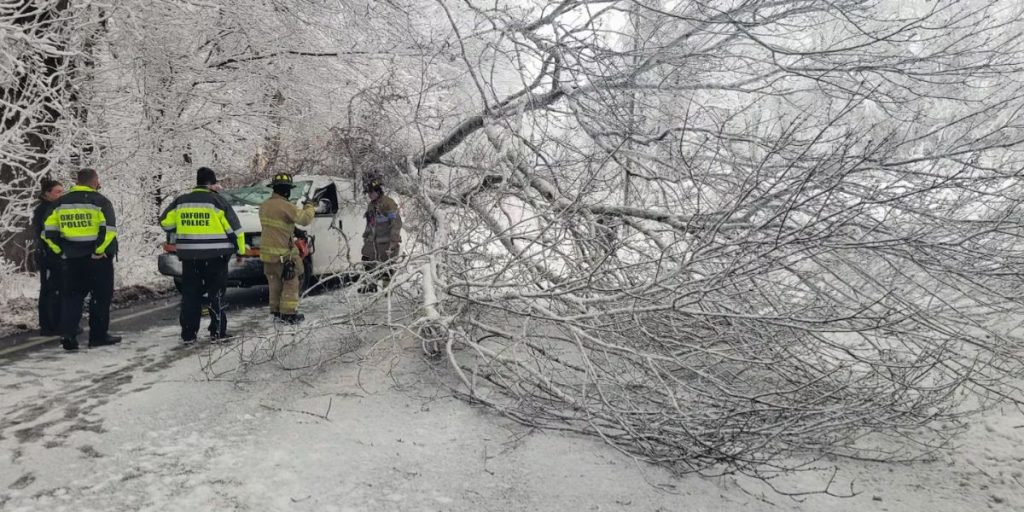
x=45 y=53
x=732 y=235
x=721 y=235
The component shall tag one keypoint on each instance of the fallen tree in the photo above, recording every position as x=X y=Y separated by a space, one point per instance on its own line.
x=731 y=237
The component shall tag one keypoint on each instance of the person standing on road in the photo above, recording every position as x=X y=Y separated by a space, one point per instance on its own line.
x=47 y=263
x=207 y=233
x=281 y=261
x=382 y=237
x=82 y=229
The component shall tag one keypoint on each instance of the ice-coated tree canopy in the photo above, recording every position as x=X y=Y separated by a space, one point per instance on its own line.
x=720 y=235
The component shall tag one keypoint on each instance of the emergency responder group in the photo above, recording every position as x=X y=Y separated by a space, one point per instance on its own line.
x=80 y=228
x=79 y=235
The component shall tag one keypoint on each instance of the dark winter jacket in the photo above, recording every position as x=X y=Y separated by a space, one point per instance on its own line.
x=39 y=215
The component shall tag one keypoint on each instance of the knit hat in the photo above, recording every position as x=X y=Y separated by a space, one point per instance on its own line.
x=206 y=176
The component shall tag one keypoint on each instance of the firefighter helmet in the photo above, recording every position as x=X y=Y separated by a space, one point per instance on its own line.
x=373 y=185
x=282 y=179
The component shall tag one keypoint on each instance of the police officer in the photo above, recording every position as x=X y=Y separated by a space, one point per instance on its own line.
x=47 y=263
x=281 y=261
x=207 y=233
x=82 y=229
x=382 y=237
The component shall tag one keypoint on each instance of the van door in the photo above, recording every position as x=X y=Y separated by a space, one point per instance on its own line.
x=329 y=256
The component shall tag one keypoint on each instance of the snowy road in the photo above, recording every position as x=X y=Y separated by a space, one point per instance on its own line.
x=132 y=319
x=141 y=427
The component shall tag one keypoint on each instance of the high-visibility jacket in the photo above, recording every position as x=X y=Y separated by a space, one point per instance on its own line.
x=82 y=223
x=205 y=225
x=278 y=217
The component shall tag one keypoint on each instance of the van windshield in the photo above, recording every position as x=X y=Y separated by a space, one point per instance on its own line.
x=254 y=195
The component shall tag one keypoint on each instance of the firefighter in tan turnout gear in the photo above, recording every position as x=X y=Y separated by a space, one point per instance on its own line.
x=282 y=263
x=382 y=237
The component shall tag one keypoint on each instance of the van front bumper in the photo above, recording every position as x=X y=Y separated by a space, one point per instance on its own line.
x=248 y=272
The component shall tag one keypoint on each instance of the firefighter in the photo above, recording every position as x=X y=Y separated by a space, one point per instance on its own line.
x=207 y=232
x=82 y=229
x=282 y=262
x=382 y=237
x=47 y=263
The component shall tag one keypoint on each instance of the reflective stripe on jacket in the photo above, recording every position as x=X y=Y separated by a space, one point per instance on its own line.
x=205 y=225
x=82 y=223
x=278 y=217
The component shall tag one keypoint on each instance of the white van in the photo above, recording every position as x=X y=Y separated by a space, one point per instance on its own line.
x=335 y=235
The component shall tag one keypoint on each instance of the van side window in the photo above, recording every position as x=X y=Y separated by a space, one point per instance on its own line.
x=326 y=200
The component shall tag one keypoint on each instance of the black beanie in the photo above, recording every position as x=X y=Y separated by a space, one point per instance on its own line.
x=205 y=176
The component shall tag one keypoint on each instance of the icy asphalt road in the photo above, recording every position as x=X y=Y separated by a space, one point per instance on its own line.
x=130 y=320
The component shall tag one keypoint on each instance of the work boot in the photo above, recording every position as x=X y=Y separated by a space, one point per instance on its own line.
x=293 y=318
x=109 y=340
x=188 y=341
x=216 y=337
x=370 y=287
x=276 y=315
x=69 y=344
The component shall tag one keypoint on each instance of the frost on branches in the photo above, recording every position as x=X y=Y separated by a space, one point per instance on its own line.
x=43 y=49
x=720 y=235
x=732 y=236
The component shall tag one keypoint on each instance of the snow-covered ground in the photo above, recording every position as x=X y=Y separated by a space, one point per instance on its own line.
x=19 y=291
x=140 y=427
x=18 y=294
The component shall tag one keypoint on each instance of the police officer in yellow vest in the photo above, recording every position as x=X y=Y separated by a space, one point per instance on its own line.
x=207 y=232
x=82 y=229
x=281 y=261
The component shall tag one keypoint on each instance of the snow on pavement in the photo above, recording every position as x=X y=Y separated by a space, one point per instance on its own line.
x=140 y=427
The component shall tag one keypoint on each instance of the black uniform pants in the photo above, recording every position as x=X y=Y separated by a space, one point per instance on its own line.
x=198 y=277
x=95 y=278
x=50 y=266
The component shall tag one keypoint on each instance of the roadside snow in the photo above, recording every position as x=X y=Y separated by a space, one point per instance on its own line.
x=18 y=294
x=19 y=291
x=139 y=427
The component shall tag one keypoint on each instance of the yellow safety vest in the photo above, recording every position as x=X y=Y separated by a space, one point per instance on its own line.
x=81 y=223
x=204 y=225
